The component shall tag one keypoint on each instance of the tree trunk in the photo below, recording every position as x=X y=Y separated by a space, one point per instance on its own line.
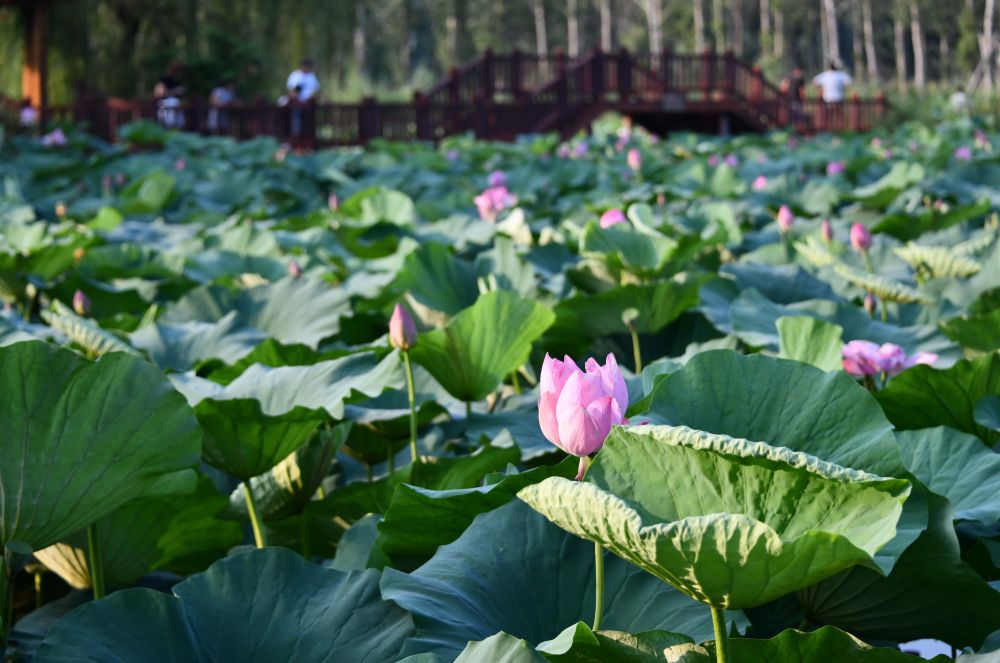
x=857 y=43
x=572 y=30
x=833 y=40
x=718 y=25
x=358 y=39
x=824 y=37
x=944 y=53
x=541 y=34
x=766 y=42
x=606 y=41
x=870 y=56
x=779 y=33
x=699 y=26
x=736 y=12
x=919 y=56
x=654 y=19
x=898 y=32
x=986 y=46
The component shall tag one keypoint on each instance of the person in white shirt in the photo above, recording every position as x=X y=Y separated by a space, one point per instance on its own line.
x=303 y=85
x=304 y=79
x=833 y=82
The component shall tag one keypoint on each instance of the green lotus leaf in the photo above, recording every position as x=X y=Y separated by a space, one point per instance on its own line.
x=481 y=345
x=436 y=278
x=979 y=332
x=311 y=615
x=938 y=261
x=534 y=584
x=987 y=413
x=925 y=397
x=148 y=194
x=729 y=522
x=811 y=341
x=641 y=252
x=84 y=438
x=86 y=333
x=174 y=532
x=882 y=287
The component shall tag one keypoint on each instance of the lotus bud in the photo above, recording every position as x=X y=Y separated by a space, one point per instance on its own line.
x=870 y=305
x=634 y=160
x=180 y=165
x=861 y=237
x=759 y=184
x=577 y=409
x=81 y=303
x=963 y=153
x=612 y=217
x=295 y=269
x=106 y=186
x=60 y=209
x=332 y=202
x=835 y=168
x=78 y=253
x=119 y=179
x=731 y=160
x=785 y=218
x=661 y=199
x=826 y=230
x=714 y=160
x=580 y=150
x=402 y=330
x=563 y=152
x=497 y=178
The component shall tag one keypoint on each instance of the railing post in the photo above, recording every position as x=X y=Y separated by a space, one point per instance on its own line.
x=730 y=69
x=515 y=73
x=422 y=115
x=560 y=61
x=368 y=120
x=707 y=72
x=453 y=100
x=854 y=113
x=486 y=76
x=624 y=74
x=597 y=74
x=756 y=85
x=666 y=58
x=879 y=105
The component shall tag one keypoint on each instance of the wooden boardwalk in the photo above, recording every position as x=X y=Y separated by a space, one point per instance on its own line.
x=499 y=97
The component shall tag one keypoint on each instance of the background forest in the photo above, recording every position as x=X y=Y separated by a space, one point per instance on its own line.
x=390 y=47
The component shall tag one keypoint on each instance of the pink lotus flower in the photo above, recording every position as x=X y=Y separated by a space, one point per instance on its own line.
x=876 y=142
x=332 y=202
x=294 y=269
x=497 y=178
x=580 y=150
x=714 y=160
x=180 y=165
x=576 y=410
x=785 y=218
x=612 y=217
x=759 y=184
x=81 y=303
x=634 y=160
x=861 y=237
x=731 y=160
x=826 y=230
x=982 y=140
x=864 y=358
x=963 y=153
x=835 y=168
x=55 y=138
x=494 y=200
x=563 y=152
x=402 y=330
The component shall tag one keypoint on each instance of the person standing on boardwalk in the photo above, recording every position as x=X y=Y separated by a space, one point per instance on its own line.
x=303 y=86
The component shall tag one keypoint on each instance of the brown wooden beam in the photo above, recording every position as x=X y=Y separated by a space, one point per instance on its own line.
x=34 y=72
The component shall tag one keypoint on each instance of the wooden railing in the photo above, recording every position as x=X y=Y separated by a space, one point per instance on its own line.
x=501 y=96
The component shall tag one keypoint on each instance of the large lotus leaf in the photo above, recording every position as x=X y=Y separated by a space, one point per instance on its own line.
x=811 y=341
x=930 y=593
x=438 y=279
x=987 y=412
x=824 y=644
x=784 y=284
x=84 y=438
x=262 y=605
x=481 y=345
x=175 y=532
x=420 y=519
x=641 y=252
x=957 y=466
x=290 y=310
x=729 y=522
x=514 y=571
x=977 y=332
x=782 y=403
x=925 y=397
x=148 y=194
x=180 y=346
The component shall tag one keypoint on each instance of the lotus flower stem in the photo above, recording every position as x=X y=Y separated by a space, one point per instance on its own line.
x=413 y=407
x=6 y=606
x=390 y=459
x=515 y=383
x=636 y=353
x=721 y=637
x=885 y=312
x=38 y=588
x=259 y=537
x=599 y=576
x=94 y=562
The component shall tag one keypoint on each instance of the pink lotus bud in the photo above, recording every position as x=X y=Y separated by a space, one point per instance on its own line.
x=612 y=217
x=180 y=165
x=497 y=178
x=826 y=230
x=876 y=142
x=634 y=160
x=576 y=410
x=760 y=183
x=61 y=209
x=295 y=269
x=731 y=160
x=861 y=237
x=963 y=153
x=785 y=218
x=870 y=305
x=861 y=358
x=332 y=202
x=835 y=168
x=119 y=179
x=78 y=253
x=402 y=330
x=661 y=199
x=563 y=152
x=81 y=303
x=580 y=150
x=714 y=160
x=106 y=185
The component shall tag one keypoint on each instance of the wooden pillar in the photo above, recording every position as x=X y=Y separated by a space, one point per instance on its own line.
x=34 y=73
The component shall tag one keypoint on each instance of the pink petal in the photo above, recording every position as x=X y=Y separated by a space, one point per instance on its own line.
x=579 y=433
x=614 y=383
x=547 y=417
x=580 y=390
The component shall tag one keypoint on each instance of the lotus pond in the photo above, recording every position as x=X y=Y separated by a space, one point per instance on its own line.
x=615 y=399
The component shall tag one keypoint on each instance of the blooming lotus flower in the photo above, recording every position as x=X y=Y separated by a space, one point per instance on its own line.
x=580 y=150
x=864 y=358
x=826 y=230
x=861 y=237
x=81 y=303
x=577 y=409
x=294 y=269
x=759 y=184
x=402 y=330
x=497 y=178
x=55 y=138
x=634 y=160
x=494 y=200
x=714 y=160
x=731 y=160
x=612 y=217
x=835 y=168
x=963 y=153
x=785 y=218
